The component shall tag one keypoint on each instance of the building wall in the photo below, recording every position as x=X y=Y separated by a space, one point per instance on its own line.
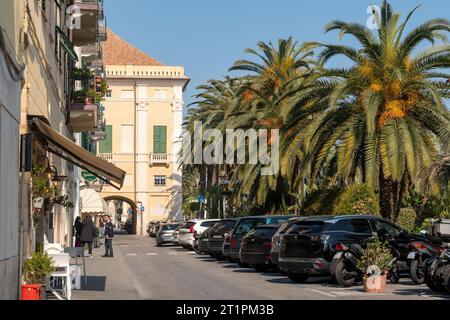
x=9 y=154
x=146 y=101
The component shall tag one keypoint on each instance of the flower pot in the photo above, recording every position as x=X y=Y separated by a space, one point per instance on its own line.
x=31 y=292
x=375 y=284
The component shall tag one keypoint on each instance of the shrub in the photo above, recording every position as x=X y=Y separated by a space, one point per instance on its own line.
x=407 y=219
x=320 y=202
x=357 y=199
x=39 y=266
x=377 y=254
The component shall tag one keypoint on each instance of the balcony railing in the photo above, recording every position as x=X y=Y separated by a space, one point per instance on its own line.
x=107 y=156
x=159 y=158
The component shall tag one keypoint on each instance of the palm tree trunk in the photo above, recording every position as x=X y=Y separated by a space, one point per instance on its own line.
x=390 y=196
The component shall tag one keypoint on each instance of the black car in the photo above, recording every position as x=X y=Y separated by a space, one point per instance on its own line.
x=244 y=225
x=256 y=245
x=215 y=237
x=308 y=248
x=276 y=239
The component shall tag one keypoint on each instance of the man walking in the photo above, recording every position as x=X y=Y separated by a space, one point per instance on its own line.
x=87 y=234
x=109 y=235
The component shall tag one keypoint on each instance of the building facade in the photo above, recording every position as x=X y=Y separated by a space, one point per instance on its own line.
x=10 y=86
x=143 y=114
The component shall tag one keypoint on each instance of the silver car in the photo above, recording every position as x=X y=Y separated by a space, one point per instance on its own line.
x=165 y=233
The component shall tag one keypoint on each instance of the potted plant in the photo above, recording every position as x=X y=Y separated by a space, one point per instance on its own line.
x=376 y=261
x=36 y=269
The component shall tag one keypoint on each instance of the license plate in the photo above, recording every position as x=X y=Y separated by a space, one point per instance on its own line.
x=412 y=255
x=217 y=237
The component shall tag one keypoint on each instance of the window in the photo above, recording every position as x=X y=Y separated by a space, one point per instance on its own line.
x=385 y=226
x=108 y=93
x=160 y=181
x=248 y=224
x=159 y=139
x=353 y=225
x=105 y=146
x=127 y=138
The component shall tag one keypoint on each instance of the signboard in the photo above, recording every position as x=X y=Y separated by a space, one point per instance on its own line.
x=201 y=198
x=88 y=177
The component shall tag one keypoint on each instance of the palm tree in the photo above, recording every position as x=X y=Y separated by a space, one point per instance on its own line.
x=380 y=120
x=261 y=106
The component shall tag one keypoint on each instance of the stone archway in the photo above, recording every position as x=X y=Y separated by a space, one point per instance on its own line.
x=133 y=206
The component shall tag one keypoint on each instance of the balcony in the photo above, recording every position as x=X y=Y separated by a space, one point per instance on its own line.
x=160 y=159
x=91 y=12
x=107 y=156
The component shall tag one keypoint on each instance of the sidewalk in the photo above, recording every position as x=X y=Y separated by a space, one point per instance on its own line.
x=107 y=278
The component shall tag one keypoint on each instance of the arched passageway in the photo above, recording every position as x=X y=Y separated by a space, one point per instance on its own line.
x=133 y=207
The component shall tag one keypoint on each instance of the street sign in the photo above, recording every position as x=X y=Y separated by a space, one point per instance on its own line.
x=88 y=177
x=142 y=208
x=201 y=198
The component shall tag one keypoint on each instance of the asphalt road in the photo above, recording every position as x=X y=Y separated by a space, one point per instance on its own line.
x=140 y=270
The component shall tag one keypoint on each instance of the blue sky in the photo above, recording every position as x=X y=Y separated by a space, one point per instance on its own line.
x=207 y=36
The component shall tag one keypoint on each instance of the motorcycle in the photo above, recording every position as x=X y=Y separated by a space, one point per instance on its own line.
x=437 y=275
x=346 y=271
x=420 y=252
x=196 y=244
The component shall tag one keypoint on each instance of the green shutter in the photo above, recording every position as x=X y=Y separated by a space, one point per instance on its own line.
x=106 y=145
x=159 y=139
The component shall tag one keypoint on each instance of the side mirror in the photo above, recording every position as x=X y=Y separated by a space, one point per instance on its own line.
x=383 y=235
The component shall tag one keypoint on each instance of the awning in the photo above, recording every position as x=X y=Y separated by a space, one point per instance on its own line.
x=66 y=44
x=92 y=203
x=66 y=149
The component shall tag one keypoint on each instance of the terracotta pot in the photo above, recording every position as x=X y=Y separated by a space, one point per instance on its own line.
x=375 y=284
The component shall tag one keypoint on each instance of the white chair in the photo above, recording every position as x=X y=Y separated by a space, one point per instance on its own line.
x=76 y=253
x=53 y=248
x=75 y=276
x=62 y=264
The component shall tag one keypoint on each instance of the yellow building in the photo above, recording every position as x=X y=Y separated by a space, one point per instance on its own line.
x=143 y=113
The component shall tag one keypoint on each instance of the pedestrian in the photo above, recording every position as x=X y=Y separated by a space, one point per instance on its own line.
x=109 y=235
x=102 y=228
x=77 y=227
x=88 y=233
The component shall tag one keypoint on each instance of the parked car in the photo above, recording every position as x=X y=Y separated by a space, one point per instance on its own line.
x=216 y=236
x=276 y=239
x=243 y=226
x=155 y=228
x=186 y=233
x=165 y=233
x=309 y=247
x=176 y=234
x=256 y=245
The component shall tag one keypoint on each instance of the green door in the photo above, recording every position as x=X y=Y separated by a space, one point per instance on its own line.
x=106 y=145
x=159 y=139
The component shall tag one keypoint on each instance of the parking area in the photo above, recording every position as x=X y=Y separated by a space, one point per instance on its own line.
x=141 y=270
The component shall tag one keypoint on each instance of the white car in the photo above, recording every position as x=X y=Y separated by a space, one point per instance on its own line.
x=186 y=232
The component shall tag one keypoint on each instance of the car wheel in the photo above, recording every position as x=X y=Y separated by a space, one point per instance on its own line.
x=159 y=244
x=344 y=275
x=298 y=277
x=394 y=277
x=416 y=272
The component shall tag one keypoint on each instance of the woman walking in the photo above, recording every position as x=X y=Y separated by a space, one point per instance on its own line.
x=88 y=233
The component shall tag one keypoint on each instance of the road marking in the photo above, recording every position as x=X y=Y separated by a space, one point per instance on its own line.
x=131 y=254
x=152 y=254
x=172 y=253
x=124 y=245
x=323 y=293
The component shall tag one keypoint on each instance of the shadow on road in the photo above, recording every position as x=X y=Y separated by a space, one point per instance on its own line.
x=93 y=284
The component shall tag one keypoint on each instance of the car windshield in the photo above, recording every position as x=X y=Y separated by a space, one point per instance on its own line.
x=208 y=223
x=169 y=227
x=187 y=225
x=277 y=220
x=308 y=227
x=248 y=224
x=265 y=232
